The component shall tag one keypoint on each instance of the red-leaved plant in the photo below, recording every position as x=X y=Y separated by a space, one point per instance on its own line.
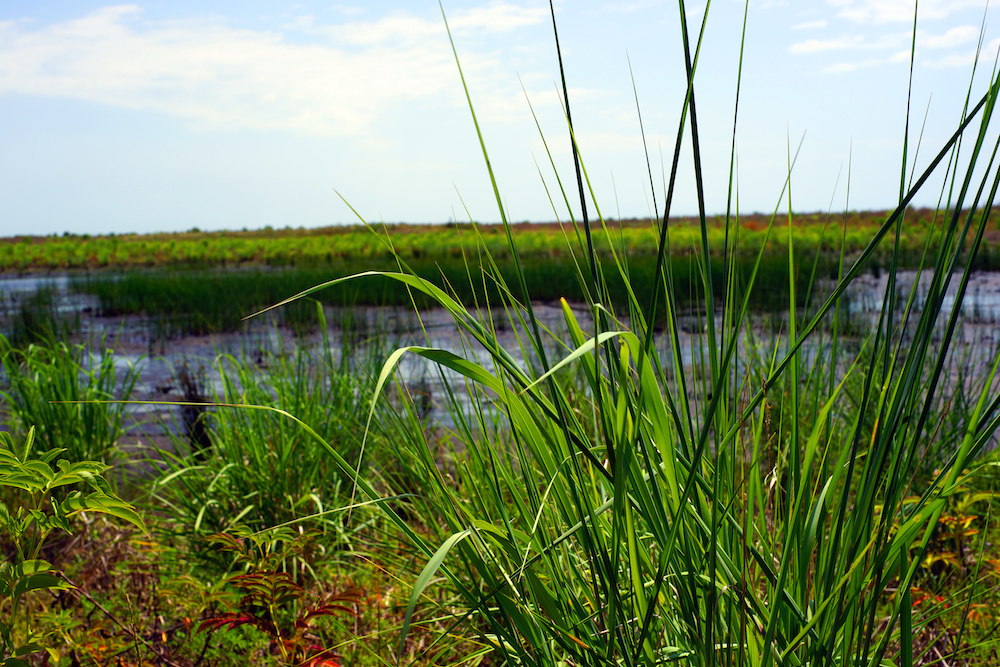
x=267 y=591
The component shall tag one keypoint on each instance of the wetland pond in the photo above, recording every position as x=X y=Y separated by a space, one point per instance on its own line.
x=362 y=338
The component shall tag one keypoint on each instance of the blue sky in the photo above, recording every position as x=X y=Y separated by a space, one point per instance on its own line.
x=161 y=116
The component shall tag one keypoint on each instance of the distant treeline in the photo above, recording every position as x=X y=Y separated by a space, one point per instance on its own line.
x=447 y=245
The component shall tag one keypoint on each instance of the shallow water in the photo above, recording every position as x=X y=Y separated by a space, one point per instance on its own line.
x=373 y=333
x=981 y=303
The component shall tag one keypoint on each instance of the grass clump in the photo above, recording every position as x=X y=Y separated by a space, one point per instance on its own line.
x=741 y=508
x=63 y=389
x=36 y=319
x=256 y=468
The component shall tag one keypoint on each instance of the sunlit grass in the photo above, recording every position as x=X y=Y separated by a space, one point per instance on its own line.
x=761 y=505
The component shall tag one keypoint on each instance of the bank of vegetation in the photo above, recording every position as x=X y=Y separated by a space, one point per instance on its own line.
x=195 y=283
x=345 y=247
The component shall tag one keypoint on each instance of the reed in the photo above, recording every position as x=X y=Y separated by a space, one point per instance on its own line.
x=63 y=391
x=35 y=318
x=179 y=303
x=253 y=468
x=761 y=501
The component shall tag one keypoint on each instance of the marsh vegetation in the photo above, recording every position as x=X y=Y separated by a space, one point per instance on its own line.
x=693 y=466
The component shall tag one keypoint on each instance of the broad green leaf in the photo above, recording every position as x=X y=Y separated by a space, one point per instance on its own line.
x=105 y=504
x=41 y=580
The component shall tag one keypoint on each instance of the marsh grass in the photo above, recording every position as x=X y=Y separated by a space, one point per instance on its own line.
x=254 y=468
x=62 y=389
x=193 y=302
x=35 y=319
x=765 y=504
x=795 y=493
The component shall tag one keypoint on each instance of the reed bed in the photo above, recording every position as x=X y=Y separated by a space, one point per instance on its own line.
x=714 y=512
x=61 y=389
x=199 y=302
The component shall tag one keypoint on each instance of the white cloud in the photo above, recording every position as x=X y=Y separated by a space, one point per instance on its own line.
x=846 y=43
x=893 y=11
x=349 y=10
x=625 y=7
x=838 y=44
x=762 y=4
x=953 y=37
x=212 y=73
x=809 y=25
x=840 y=68
x=966 y=59
x=406 y=28
x=954 y=60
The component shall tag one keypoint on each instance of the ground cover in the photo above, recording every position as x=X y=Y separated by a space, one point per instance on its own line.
x=282 y=509
x=188 y=283
x=196 y=283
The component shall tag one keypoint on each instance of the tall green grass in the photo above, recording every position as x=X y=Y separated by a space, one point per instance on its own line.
x=63 y=390
x=35 y=318
x=764 y=505
x=257 y=469
x=180 y=303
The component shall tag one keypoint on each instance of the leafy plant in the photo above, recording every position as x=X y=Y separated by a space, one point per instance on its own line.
x=269 y=594
x=30 y=521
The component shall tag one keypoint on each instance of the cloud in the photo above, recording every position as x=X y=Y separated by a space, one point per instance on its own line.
x=625 y=7
x=953 y=37
x=887 y=25
x=840 y=68
x=899 y=11
x=408 y=29
x=966 y=59
x=809 y=25
x=815 y=45
x=211 y=73
x=349 y=10
x=846 y=43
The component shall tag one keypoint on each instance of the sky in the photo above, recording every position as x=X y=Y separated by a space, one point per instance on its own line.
x=164 y=116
